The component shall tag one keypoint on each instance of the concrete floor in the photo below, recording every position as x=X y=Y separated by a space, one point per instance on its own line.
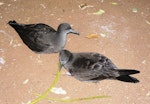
x=126 y=41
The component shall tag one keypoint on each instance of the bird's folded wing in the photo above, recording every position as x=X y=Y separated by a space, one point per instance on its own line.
x=93 y=65
x=39 y=27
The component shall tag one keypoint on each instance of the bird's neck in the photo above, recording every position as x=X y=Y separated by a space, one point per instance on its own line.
x=61 y=38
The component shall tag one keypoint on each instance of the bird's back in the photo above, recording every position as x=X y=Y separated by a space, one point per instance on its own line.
x=36 y=36
x=91 y=66
x=29 y=29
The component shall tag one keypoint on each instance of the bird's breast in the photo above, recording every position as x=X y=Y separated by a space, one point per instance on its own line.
x=61 y=41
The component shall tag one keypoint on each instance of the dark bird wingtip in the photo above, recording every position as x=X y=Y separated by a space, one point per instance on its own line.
x=136 y=81
x=126 y=78
x=138 y=71
x=78 y=33
x=12 y=22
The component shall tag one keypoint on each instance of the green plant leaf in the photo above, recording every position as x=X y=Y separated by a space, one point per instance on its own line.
x=76 y=99
x=44 y=95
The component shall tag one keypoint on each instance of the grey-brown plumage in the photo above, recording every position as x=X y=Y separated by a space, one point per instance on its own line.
x=94 y=67
x=42 y=38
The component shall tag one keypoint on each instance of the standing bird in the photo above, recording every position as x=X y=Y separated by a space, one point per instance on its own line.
x=93 y=67
x=42 y=38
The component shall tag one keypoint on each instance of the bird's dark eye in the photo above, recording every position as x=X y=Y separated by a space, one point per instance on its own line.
x=67 y=28
x=64 y=26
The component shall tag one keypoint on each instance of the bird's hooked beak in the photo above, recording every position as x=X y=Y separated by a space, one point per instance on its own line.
x=74 y=31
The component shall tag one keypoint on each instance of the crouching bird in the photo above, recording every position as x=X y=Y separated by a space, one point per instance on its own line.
x=42 y=38
x=94 y=67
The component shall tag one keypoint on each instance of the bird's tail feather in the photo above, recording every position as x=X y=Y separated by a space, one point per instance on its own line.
x=16 y=26
x=127 y=78
x=124 y=75
x=127 y=72
x=12 y=22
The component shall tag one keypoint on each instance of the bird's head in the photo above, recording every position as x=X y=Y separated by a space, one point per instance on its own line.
x=66 y=28
x=64 y=57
